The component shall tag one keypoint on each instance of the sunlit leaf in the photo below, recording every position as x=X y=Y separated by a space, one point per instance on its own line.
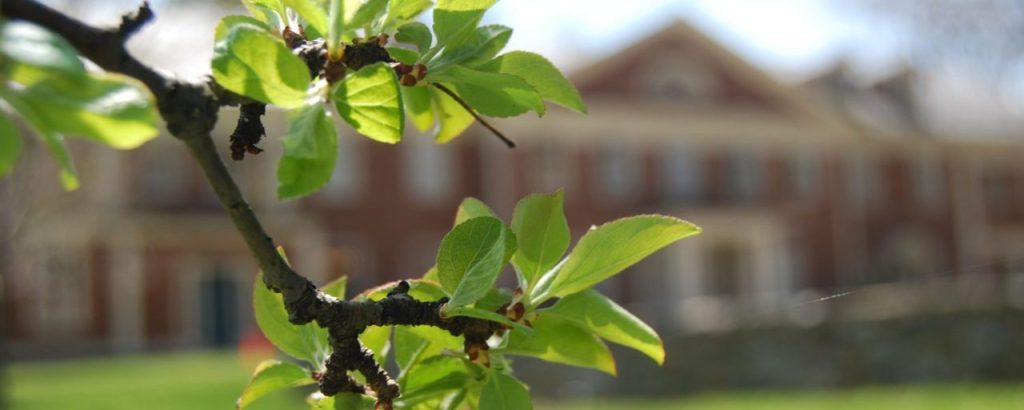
x=542 y=233
x=611 y=248
x=456 y=19
x=471 y=208
x=10 y=145
x=596 y=313
x=415 y=33
x=272 y=376
x=452 y=118
x=258 y=65
x=299 y=341
x=369 y=100
x=503 y=392
x=310 y=152
x=29 y=53
x=493 y=94
x=541 y=75
x=558 y=341
x=311 y=12
x=470 y=259
x=418 y=107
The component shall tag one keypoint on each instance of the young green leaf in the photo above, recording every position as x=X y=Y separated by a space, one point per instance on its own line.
x=452 y=118
x=558 y=341
x=542 y=233
x=402 y=11
x=29 y=53
x=541 y=75
x=471 y=208
x=53 y=141
x=311 y=12
x=456 y=19
x=378 y=340
x=336 y=287
x=108 y=108
x=271 y=12
x=596 y=313
x=368 y=12
x=415 y=33
x=611 y=248
x=482 y=47
x=10 y=145
x=493 y=94
x=404 y=55
x=258 y=65
x=229 y=22
x=370 y=102
x=431 y=378
x=310 y=152
x=418 y=107
x=272 y=376
x=336 y=27
x=342 y=401
x=503 y=392
x=408 y=348
x=301 y=342
x=470 y=258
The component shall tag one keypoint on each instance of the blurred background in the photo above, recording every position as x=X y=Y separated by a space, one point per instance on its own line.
x=856 y=166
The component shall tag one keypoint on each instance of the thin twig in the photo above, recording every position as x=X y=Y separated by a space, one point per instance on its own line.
x=508 y=142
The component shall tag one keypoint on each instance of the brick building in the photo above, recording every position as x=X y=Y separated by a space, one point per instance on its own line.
x=801 y=196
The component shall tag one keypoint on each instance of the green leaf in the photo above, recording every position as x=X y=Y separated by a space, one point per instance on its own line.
x=454 y=19
x=414 y=344
x=415 y=33
x=310 y=152
x=109 y=108
x=596 y=313
x=452 y=118
x=258 y=65
x=336 y=27
x=401 y=11
x=29 y=53
x=272 y=376
x=368 y=12
x=404 y=55
x=485 y=315
x=471 y=208
x=229 y=22
x=486 y=43
x=336 y=287
x=53 y=141
x=378 y=340
x=558 y=341
x=301 y=342
x=271 y=12
x=504 y=392
x=432 y=377
x=417 y=107
x=541 y=75
x=343 y=401
x=493 y=94
x=370 y=102
x=542 y=234
x=470 y=258
x=311 y=12
x=611 y=248
x=10 y=145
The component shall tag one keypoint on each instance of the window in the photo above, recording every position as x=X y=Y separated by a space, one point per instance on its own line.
x=724 y=266
x=805 y=173
x=428 y=169
x=926 y=179
x=618 y=172
x=62 y=283
x=348 y=176
x=860 y=180
x=744 y=175
x=682 y=175
x=552 y=167
x=162 y=175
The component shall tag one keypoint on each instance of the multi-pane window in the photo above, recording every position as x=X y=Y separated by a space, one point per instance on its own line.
x=744 y=175
x=724 y=266
x=349 y=171
x=681 y=169
x=428 y=169
x=805 y=172
x=162 y=176
x=927 y=181
x=860 y=180
x=619 y=172
x=552 y=167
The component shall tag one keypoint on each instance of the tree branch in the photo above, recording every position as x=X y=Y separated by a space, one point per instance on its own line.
x=190 y=111
x=481 y=120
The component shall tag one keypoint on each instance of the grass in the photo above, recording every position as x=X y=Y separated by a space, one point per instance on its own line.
x=212 y=380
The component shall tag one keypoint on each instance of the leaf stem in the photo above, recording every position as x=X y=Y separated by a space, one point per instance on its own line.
x=502 y=137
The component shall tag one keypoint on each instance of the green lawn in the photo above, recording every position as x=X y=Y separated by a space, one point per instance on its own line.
x=212 y=380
